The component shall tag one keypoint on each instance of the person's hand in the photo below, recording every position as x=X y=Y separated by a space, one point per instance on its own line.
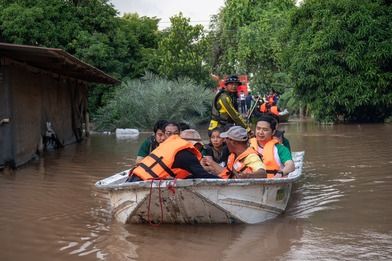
x=279 y=174
x=251 y=134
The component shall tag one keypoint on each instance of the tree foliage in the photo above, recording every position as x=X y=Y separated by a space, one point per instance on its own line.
x=246 y=40
x=89 y=29
x=139 y=103
x=340 y=56
x=182 y=50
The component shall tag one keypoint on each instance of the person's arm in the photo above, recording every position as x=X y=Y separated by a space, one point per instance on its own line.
x=286 y=159
x=188 y=161
x=144 y=150
x=253 y=161
x=213 y=167
x=226 y=103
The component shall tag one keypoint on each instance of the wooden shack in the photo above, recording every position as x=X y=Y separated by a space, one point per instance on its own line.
x=43 y=92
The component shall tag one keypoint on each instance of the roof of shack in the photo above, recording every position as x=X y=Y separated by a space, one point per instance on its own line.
x=55 y=60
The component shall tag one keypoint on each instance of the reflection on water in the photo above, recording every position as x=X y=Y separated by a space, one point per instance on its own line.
x=340 y=210
x=202 y=242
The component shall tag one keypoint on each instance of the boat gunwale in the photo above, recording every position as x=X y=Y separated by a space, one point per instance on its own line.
x=179 y=183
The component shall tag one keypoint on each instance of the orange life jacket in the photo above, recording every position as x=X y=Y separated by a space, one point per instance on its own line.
x=274 y=110
x=263 y=107
x=235 y=165
x=158 y=164
x=271 y=165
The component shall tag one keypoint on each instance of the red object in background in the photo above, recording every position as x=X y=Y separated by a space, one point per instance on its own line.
x=222 y=83
x=244 y=86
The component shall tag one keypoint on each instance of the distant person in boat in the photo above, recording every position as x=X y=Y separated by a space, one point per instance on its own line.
x=217 y=150
x=243 y=161
x=176 y=157
x=264 y=106
x=276 y=157
x=274 y=109
x=225 y=108
x=153 y=141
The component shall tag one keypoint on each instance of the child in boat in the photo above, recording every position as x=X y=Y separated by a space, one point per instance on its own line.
x=217 y=150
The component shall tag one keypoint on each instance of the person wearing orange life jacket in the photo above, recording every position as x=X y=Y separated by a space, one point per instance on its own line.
x=243 y=161
x=274 y=109
x=176 y=157
x=276 y=157
x=264 y=107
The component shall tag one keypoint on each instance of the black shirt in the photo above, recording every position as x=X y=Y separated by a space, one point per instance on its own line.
x=188 y=161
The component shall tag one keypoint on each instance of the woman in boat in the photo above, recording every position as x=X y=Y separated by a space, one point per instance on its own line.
x=276 y=157
x=217 y=150
x=243 y=161
x=153 y=141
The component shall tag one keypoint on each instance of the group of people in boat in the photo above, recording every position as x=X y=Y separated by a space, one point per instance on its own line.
x=235 y=150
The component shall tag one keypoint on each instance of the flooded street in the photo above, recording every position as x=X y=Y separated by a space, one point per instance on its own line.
x=339 y=210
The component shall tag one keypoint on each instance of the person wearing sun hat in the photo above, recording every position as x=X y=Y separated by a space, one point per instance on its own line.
x=224 y=107
x=243 y=161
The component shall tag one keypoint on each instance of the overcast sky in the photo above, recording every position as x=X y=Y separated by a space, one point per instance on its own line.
x=199 y=11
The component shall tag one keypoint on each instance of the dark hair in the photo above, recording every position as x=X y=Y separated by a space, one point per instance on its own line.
x=220 y=129
x=271 y=120
x=160 y=125
x=184 y=126
x=279 y=134
x=171 y=123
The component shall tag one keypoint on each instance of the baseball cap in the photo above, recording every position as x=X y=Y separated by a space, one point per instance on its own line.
x=192 y=136
x=237 y=133
x=233 y=79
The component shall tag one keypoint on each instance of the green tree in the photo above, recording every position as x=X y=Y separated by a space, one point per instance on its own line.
x=340 y=57
x=182 y=50
x=245 y=39
x=89 y=29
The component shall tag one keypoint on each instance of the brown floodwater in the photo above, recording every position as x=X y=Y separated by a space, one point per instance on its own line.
x=339 y=210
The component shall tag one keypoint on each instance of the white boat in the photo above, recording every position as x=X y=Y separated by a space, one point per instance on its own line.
x=193 y=201
x=127 y=133
x=284 y=116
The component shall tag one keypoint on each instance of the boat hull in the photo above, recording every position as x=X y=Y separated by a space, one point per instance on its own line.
x=192 y=201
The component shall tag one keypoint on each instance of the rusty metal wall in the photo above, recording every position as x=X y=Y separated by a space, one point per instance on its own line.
x=37 y=98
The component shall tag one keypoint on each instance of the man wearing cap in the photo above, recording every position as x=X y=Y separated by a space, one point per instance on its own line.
x=176 y=157
x=243 y=161
x=224 y=107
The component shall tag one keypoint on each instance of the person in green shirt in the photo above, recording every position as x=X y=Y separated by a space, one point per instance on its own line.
x=153 y=141
x=265 y=129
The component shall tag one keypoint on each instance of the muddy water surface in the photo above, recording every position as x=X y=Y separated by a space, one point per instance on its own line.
x=340 y=210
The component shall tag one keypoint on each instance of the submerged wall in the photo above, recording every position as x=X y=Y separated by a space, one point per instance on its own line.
x=33 y=97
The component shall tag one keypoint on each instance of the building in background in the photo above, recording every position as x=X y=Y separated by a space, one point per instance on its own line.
x=43 y=100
